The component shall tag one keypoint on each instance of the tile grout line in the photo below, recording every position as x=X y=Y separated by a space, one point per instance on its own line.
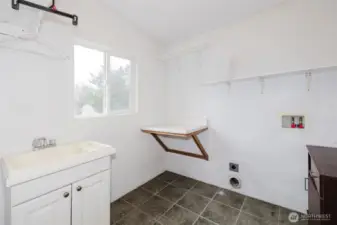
x=200 y=214
x=208 y=220
x=156 y=178
x=176 y=202
x=138 y=208
x=134 y=207
x=252 y=215
x=204 y=218
x=237 y=219
x=156 y=194
x=279 y=215
x=125 y=213
x=152 y=194
x=228 y=205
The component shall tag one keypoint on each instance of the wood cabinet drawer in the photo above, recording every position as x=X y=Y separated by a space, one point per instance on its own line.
x=35 y=188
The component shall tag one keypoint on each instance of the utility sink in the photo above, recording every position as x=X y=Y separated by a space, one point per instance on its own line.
x=26 y=166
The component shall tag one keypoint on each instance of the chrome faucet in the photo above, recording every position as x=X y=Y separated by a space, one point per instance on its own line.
x=42 y=143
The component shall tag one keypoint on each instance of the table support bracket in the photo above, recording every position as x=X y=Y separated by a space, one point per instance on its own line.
x=195 y=138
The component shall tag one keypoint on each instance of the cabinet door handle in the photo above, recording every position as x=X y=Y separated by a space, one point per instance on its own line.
x=66 y=195
x=306 y=180
x=79 y=188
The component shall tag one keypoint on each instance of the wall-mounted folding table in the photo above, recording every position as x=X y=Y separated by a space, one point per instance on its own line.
x=182 y=132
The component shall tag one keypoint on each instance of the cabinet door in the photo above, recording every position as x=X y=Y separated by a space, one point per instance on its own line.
x=53 y=209
x=91 y=200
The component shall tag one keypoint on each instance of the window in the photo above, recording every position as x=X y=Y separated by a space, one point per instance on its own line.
x=104 y=83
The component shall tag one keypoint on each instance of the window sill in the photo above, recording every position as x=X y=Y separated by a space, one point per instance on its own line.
x=107 y=115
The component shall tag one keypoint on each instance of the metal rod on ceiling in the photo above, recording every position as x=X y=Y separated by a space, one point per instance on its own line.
x=16 y=3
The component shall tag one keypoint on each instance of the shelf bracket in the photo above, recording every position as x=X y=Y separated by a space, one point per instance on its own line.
x=262 y=84
x=308 y=77
x=229 y=85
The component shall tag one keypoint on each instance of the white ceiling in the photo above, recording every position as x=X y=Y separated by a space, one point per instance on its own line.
x=172 y=21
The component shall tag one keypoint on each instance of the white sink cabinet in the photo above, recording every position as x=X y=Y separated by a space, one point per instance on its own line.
x=72 y=189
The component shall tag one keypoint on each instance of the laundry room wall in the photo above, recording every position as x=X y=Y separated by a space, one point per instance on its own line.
x=36 y=93
x=245 y=125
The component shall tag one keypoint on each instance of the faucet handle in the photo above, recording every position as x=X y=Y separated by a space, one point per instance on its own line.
x=52 y=142
x=43 y=142
x=37 y=143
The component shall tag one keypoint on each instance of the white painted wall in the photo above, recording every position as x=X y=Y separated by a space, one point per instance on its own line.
x=36 y=95
x=245 y=126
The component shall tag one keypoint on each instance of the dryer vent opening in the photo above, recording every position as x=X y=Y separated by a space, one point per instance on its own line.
x=235 y=182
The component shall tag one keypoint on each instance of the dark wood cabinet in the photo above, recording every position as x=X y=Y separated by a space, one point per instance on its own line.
x=322 y=185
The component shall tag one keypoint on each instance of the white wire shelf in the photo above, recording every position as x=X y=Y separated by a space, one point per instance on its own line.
x=295 y=72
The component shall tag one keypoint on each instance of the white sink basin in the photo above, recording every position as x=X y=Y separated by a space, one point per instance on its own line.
x=31 y=165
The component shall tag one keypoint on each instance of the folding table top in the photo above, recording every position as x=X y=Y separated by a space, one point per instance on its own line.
x=183 y=130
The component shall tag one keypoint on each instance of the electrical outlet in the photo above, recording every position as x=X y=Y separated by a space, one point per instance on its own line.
x=234 y=167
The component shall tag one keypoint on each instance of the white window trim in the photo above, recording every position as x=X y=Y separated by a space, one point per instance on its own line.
x=134 y=98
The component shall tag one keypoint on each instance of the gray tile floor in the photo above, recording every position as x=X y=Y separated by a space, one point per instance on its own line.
x=172 y=199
